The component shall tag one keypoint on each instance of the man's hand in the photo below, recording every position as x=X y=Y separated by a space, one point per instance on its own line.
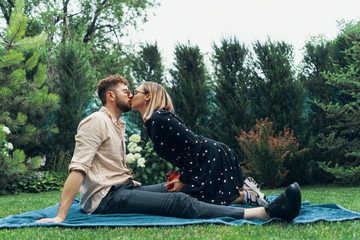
x=178 y=186
x=53 y=220
x=71 y=188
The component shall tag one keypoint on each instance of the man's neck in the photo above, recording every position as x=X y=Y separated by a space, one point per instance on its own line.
x=114 y=111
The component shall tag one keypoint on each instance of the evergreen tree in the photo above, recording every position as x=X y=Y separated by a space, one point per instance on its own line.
x=24 y=99
x=322 y=56
x=318 y=58
x=76 y=86
x=147 y=66
x=231 y=78
x=278 y=94
x=341 y=141
x=189 y=87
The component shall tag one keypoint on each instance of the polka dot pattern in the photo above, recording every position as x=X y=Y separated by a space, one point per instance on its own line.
x=207 y=167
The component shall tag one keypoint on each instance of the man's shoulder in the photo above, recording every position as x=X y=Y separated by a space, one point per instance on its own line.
x=95 y=117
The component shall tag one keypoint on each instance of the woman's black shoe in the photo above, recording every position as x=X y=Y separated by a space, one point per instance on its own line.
x=287 y=205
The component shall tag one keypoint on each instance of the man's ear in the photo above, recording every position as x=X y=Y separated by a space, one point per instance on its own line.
x=110 y=95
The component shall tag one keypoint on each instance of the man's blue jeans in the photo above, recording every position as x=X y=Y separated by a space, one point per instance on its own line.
x=156 y=200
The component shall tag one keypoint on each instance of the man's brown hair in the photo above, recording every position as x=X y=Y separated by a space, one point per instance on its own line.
x=108 y=84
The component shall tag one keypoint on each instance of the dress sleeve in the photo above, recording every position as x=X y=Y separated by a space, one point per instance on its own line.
x=90 y=135
x=169 y=128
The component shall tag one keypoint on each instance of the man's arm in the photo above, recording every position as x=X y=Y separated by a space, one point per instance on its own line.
x=71 y=188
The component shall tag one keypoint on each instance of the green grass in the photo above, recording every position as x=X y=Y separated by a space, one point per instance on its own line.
x=346 y=197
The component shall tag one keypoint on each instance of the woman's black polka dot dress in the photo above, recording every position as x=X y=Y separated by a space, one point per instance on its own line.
x=209 y=168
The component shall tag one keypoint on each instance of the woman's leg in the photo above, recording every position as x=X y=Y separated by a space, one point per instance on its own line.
x=134 y=200
x=256 y=213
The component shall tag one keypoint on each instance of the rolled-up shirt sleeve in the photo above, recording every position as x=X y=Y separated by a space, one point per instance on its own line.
x=90 y=135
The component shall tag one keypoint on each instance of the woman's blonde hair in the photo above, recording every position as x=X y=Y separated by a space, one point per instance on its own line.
x=159 y=99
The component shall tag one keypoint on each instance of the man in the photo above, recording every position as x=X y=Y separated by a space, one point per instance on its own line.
x=106 y=185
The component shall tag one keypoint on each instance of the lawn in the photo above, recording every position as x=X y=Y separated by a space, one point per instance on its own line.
x=346 y=197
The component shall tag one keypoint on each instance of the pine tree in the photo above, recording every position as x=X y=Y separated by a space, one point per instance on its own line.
x=25 y=102
x=76 y=86
x=318 y=58
x=231 y=77
x=341 y=141
x=278 y=94
x=147 y=66
x=189 y=87
x=24 y=99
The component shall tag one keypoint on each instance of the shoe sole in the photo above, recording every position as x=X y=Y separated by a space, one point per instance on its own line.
x=263 y=201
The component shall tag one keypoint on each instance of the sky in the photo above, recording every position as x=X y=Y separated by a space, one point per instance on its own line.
x=204 y=22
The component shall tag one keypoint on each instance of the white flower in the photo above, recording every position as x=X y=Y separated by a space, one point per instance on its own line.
x=43 y=161
x=141 y=162
x=137 y=156
x=6 y=129
x=138 y=149
x=9 y=146
x=132 y=145
x=39 y=175
x=135 y=138
x=130 y=158
x=4 y=153
x=132 y=149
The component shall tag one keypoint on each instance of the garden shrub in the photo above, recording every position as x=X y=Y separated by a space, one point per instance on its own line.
x=37 y=182
x=51 y=175
x=147 y=166
x=13 y=162
x=57 y=163
x=267 y=155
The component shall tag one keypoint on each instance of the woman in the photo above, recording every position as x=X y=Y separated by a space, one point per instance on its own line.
x=210 y=171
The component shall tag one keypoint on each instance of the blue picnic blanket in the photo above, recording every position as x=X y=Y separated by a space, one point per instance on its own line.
x=77 y=218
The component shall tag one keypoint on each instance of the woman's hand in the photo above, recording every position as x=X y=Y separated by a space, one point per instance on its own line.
x=178 y=186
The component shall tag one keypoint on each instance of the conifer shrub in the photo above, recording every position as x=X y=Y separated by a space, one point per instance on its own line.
x=267 y=155
x=25 y=101
x=340 y=140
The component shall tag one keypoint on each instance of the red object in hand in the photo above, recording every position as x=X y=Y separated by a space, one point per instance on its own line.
x=172 y=176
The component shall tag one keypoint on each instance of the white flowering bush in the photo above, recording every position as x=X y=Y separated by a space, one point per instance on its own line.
x=135 y=138
x=13 y=164
x=134 y=156
x=146 y=165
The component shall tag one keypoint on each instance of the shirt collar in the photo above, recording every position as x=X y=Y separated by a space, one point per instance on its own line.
x=117 y=122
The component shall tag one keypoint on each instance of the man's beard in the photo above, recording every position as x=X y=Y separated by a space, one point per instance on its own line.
x=122 y=107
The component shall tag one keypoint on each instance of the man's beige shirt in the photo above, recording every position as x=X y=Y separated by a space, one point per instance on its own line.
x=100 y=154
